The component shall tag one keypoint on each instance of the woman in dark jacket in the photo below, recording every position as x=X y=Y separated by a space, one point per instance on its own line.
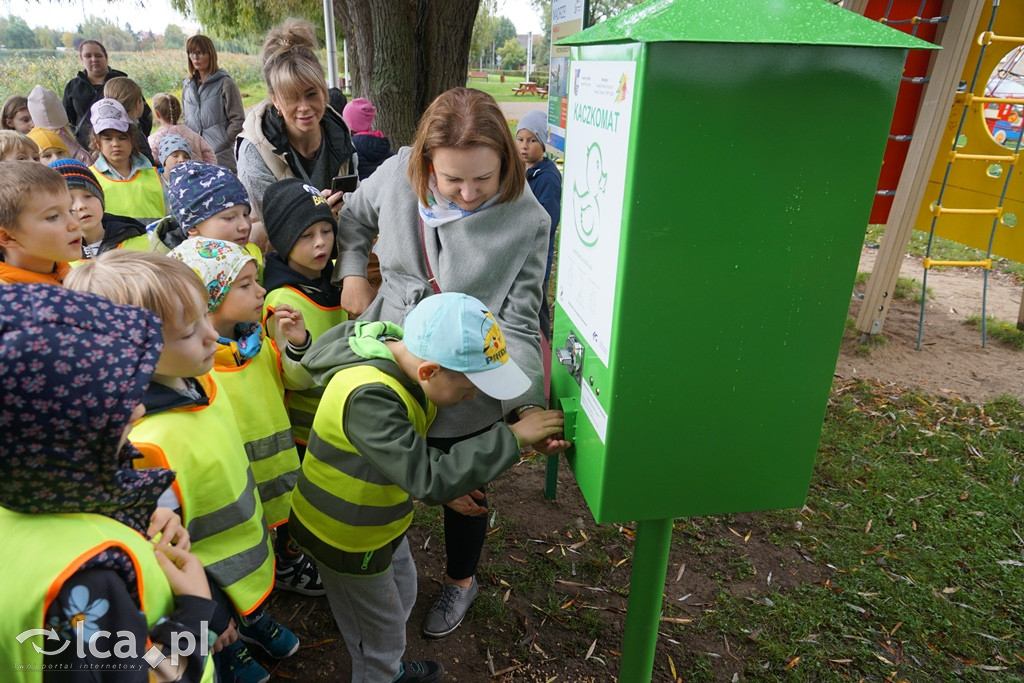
x=211 y=101
x=86 y=89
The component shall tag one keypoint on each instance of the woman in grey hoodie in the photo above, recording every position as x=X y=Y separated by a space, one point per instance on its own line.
x=211 y=101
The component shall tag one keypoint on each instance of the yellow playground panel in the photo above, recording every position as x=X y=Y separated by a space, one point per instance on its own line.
x=976 y=194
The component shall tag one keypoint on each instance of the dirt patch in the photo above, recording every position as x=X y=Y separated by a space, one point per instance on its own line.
x=951 y=361
x=513 y=634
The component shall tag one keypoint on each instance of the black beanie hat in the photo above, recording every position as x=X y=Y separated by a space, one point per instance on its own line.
x=290 y=206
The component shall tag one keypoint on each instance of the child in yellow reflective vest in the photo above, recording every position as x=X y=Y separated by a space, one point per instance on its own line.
x=302 y=230
x=129 y=181
x=101 y=231
x=107 y=564
x=190 y=427
x=368 y=458
x=254 y=373
x=205 y=201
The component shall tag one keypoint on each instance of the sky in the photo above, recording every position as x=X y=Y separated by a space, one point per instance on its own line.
x=157 y=14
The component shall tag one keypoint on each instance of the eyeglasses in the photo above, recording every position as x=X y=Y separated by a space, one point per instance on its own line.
x=198 y=53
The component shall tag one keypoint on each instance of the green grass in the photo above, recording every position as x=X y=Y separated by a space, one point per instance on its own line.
x=946 y=250
x=906 y=287
x=1000 y=330
x=502 y=92
x=913 y=534
x=915 y=504
x=253 y=94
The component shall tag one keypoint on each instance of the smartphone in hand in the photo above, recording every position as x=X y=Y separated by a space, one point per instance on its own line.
x=344 y=183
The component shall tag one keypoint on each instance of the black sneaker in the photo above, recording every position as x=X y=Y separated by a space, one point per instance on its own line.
x=421 y=671
x=299 y=577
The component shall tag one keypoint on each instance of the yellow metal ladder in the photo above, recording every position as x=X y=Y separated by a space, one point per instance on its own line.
x=967 y=98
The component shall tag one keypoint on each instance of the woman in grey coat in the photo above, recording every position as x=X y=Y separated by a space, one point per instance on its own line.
x=454 y=213
x=211 y=101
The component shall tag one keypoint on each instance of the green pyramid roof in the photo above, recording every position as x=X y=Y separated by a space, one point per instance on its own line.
x=809 y=22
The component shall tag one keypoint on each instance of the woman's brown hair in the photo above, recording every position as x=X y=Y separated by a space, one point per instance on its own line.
x=81 y=46
x=461 y=119
x=11 y=107
x=200 y=43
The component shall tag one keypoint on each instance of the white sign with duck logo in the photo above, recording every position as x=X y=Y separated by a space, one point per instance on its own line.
x=596 y=164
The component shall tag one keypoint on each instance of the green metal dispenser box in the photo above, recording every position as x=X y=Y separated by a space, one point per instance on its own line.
x=721 y=161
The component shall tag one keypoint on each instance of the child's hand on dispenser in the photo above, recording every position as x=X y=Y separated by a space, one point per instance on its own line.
x=541 y=429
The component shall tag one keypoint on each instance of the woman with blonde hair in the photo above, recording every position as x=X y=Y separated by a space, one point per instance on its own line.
x=454 y=214
x=212 y=103
x=293 y=133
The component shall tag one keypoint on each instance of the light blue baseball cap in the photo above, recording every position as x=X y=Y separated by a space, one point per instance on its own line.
x=457 y=332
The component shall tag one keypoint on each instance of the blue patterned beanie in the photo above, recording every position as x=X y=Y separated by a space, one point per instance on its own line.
x=199 y=190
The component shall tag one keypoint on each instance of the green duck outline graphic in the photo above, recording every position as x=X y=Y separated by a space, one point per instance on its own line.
x=586 y=205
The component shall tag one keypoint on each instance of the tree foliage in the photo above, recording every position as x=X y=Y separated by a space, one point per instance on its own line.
x=600 y=10
x=245 y=18
x=513 y=55
x=174 y=36
x=16 y=34
x=113 y=37
x=46 y=38
x=542 y=50
x=505 y=30
x=481 y=44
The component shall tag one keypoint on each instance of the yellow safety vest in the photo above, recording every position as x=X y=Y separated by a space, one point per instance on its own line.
x=257 y=394
x=302 y=404
x=141 y=196
x=256 y=253
x=219 y=503
x=340 y=497
x=58 y=545
x=137 y=243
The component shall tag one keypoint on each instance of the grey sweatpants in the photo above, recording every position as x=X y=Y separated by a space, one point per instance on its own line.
x=371 y=612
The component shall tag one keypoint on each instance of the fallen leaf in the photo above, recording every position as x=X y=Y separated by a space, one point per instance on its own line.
x=791 y=662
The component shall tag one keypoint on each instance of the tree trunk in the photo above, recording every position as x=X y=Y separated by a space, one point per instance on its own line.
x=406 y=53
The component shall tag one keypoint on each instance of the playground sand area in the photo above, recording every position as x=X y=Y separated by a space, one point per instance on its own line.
x=951 y=362
x=538 y=637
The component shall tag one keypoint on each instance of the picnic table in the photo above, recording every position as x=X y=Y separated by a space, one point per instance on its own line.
x=529 y=87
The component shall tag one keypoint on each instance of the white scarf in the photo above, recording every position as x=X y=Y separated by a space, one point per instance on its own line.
x=442 y=210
